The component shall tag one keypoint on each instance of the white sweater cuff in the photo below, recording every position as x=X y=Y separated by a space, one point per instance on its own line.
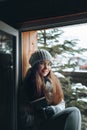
x=59 y=107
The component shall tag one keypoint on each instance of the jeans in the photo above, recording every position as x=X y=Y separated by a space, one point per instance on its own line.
x=68 y=119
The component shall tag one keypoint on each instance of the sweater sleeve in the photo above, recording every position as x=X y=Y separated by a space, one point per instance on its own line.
x=51 y=110
x=59 y=107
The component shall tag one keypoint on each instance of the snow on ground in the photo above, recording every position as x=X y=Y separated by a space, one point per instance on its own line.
x=82 y=99
x=81 y=87
x=59 y=75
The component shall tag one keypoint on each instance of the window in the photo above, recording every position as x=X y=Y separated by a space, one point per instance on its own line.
x=66 y=41
x=67 y=44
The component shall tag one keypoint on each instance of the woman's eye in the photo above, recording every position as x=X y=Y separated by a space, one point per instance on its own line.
x=50 y=64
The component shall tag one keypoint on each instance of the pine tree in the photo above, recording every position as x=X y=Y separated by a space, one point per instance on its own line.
x=49 y=40
x=48 y=37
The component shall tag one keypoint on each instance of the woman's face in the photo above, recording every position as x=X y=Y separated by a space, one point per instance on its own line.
x=44 y=67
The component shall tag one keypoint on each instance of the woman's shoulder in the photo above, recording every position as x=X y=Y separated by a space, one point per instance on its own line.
x=28 y=72
x=27 y=76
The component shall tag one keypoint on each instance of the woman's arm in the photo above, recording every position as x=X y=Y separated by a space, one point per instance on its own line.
x=49 y=111
x=59 y=107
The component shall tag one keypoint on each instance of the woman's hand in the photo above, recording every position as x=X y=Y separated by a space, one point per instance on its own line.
x=48 y=112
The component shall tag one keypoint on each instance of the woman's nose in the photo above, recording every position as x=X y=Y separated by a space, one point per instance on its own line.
x=45 y=66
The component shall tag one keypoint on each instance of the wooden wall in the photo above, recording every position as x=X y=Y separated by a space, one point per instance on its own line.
x=29 y=45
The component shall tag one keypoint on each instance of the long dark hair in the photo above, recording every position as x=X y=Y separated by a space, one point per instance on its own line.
x=57 y=92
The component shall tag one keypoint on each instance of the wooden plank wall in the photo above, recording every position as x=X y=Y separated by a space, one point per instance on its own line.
x=29 y=45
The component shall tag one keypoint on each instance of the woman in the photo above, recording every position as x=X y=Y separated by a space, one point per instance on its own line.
x=41 y=83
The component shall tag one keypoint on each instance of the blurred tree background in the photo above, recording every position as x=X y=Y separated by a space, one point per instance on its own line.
x=49 y=39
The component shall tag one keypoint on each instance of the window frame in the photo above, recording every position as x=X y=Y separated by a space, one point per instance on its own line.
x=52 y=22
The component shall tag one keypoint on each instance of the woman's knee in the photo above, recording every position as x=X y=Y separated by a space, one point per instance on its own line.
x=75 y=110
